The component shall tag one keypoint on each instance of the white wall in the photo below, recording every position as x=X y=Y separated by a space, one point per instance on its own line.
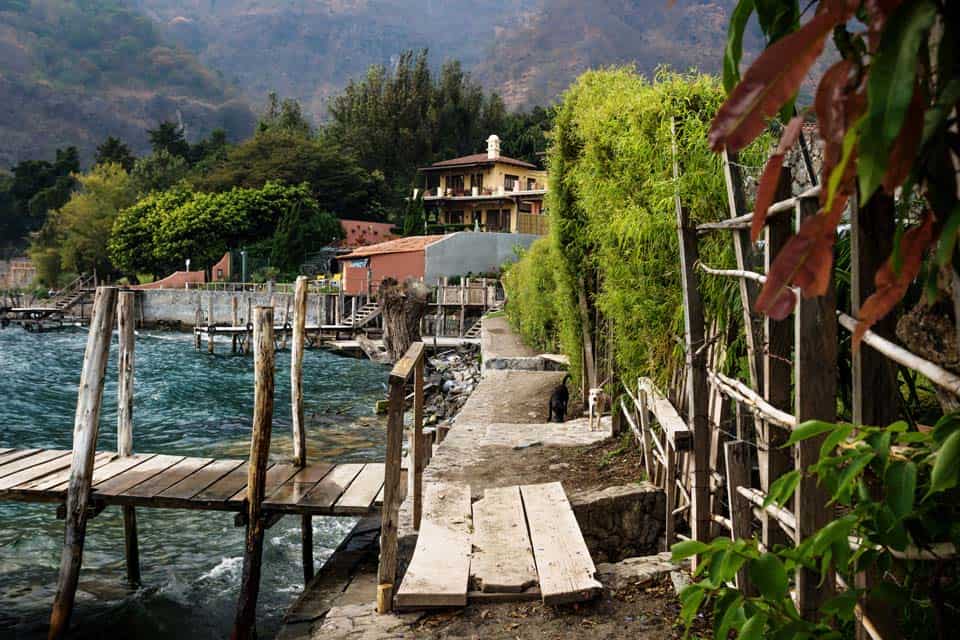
x=469 y=252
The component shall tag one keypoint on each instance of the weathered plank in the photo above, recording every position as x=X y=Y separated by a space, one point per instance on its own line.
x=200 y=479
x=276 y=475
x=566 y=570
x=223 y=490
x=37 y=457
x=294 y=489
x=36 y=471
x=439 y=572
x=502 y=556
x=45 y=484
x=738 y=475
x=359 y=496
x=125 y=481
x=169 y=477
x=117 y=466
x=16 y=454
x=328 y=490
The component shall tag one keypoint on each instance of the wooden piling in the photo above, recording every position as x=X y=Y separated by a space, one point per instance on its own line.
x=126 y=304
x=244 y=626
x=296 y=398
x=235 y=307
x=248 y=342
x=815 y=378
x=210 y=324
x=85 y=429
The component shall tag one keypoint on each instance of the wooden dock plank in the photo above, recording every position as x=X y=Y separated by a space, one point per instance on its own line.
x=35 y=472
x=221 y=491
x=359 y=496
x=171 y=476
x=328 y=490
x=439 y=573
x=46 y=484
x=122 y=483
x=276 y=476
x=200 y=479
x=502 y=555
x=4 y=451
x=566 y=570
x=16 y=454
x=291 y=491
x=31 y=459
x=117 y=466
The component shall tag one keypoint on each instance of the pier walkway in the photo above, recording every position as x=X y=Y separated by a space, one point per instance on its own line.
x=178 y=482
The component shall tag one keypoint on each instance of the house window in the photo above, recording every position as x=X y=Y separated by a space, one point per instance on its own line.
x=454 y=217
x=510 y=182
x=455 y=183
x=433 y=181
x=531 y=184
x=476 y=180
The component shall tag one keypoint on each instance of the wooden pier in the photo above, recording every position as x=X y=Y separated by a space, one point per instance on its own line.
x=84 y=481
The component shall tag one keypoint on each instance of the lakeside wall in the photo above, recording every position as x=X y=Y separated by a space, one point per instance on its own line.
x=179 y=306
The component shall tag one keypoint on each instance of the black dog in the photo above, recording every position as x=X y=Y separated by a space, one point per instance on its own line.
x=558 y=401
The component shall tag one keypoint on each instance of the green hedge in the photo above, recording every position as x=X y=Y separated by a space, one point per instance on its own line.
x=613 y=221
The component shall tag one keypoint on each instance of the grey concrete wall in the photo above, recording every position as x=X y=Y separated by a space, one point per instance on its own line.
x=179 y=306
x=470 y=252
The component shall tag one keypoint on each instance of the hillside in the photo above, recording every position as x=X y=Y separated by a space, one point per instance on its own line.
x=74 y=72
x=529 y=51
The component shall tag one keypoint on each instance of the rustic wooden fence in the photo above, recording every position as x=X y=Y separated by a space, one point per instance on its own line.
x=703 y=438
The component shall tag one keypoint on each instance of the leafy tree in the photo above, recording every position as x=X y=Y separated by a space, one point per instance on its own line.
x=113 y=150
x=79 y=230
x=159 y=171
x=131 y=244
x=169 y=137
x=284 y=115
x=338 y=183
x=35 y=187
x=302 y=229
x=414 y=216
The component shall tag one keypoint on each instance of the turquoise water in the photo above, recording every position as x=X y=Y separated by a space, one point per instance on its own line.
x=189 y=403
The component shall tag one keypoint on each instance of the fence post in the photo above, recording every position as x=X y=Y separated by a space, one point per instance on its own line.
x=85 y=429
x=696 y=366
x=778 y=335
x=244 y=626
x=874 y=379
x=737 y=458
x=127 y=337
x=816 y=399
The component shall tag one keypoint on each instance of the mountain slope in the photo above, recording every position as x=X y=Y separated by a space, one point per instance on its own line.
x=77 y=71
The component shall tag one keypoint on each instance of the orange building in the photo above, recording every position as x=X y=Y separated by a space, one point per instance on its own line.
x=364 y=268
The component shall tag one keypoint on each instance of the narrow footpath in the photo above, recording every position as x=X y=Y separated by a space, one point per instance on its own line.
x=500 y=438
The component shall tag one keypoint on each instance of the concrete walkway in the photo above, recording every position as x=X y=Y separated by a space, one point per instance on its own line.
x=498 y=439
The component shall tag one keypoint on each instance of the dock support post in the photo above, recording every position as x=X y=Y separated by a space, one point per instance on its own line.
x=235 y=304
x=296 y=398
x=244 y=626
x=85 y=428
x=127 y=339
x=210 y=324
x=248 y=342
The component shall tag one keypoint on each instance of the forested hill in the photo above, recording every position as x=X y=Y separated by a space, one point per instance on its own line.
x=528 y=50
x=73 y=72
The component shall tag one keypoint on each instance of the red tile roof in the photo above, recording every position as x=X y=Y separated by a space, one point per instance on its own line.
x=400 y=245
x=361 y=233
x=477 y=158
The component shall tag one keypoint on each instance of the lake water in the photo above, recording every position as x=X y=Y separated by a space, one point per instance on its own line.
x=188 y=403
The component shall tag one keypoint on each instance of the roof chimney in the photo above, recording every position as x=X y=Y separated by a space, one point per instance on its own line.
x=493 y=147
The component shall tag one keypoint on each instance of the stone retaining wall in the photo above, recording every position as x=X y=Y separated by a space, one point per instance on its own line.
x=621 y=522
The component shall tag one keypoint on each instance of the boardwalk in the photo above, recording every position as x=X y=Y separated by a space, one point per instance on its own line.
x=179 y=482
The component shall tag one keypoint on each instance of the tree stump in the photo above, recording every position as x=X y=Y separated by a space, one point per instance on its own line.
x=402 y=307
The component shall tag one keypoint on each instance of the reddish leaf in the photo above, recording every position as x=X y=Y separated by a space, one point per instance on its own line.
x=838 y=105
x=878 y=11
x=904 y=151
x=891 y=286
x=771 y=80
x=767 y=189
x=806 y=261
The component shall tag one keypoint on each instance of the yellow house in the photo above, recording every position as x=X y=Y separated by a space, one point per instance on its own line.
x=487 y=192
